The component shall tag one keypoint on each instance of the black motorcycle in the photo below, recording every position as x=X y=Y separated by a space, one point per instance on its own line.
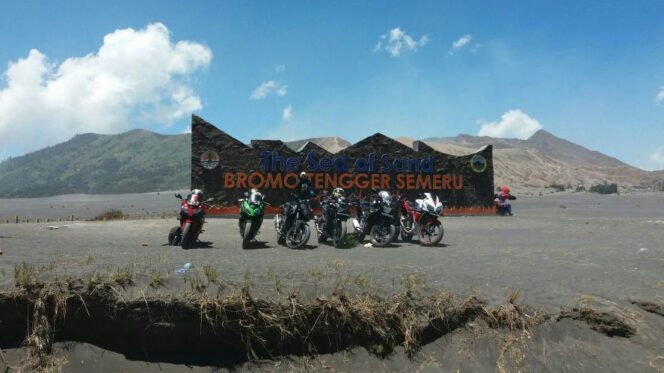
x=332 y=224
x=292 y=223
x=376 y=217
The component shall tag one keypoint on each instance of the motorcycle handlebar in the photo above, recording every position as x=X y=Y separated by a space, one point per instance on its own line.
x=244 y=199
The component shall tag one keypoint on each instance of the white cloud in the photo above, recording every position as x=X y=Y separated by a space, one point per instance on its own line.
x=512 y=124
x=288 y=112
x=280 y=68
x=267 y=88
x=187 y=130
x=135 y=76
x=397 y=41
x=460 y=43
x=657 y=159
x=660 y=96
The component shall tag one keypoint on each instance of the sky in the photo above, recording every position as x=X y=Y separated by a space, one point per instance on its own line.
x=589 y=72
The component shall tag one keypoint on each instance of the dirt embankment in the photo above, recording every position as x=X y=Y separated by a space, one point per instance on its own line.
x=230 y=329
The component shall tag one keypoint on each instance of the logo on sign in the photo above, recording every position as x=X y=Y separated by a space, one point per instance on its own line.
x=209 y=160
x=478 y=163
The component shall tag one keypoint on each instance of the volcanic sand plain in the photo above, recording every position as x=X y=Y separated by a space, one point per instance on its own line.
x=559 y=251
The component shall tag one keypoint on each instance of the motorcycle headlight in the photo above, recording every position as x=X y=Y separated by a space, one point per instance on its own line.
x=439 y=208
x=430 y=208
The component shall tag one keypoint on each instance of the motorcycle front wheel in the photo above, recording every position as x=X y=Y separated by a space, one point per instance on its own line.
x=298 y=235
x=241 y=224
x=430 y=234
x=339 y=235
x=382 y=233
x=187 y=234
x=246 y=234
x=406 y=228
x=174 y=236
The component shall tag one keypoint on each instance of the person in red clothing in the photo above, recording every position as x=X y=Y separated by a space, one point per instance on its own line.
x=502 y=198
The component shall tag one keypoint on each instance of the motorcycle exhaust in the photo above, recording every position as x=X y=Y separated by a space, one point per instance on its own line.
x=278 y=222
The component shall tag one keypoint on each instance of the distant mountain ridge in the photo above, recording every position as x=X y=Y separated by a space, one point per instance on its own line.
x=143 y=161
x=131 y=162
x=545 y=159
x=543 y=142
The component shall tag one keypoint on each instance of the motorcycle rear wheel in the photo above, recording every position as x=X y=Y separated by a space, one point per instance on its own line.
x=397 y=232
x=406 y=225
x=359 y=233
x=339 y=235
x=319 y=223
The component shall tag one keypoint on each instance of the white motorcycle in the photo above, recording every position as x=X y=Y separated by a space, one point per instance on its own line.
x=421 y=218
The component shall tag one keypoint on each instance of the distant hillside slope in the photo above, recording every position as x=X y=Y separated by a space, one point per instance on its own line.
x=132 y=162
x=142 y=161
x=545 y=159
x=543 y=143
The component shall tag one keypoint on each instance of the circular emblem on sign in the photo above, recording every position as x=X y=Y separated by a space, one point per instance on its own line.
x=478 y=163
x=209 y=160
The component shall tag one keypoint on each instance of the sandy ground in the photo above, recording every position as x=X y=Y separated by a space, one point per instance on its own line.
x=85 y=206
x=558 y=250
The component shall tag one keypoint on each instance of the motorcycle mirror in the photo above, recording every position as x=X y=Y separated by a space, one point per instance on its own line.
x=209 y=200
x=178 y=195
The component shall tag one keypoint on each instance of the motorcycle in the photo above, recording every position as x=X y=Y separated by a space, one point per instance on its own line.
x=252 y=210
x=292 y=223
x=332 y=224
x=192 y=218
x=375 y=218
x=421 y=218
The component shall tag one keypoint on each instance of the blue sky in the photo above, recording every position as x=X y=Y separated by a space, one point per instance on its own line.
x=585 y=71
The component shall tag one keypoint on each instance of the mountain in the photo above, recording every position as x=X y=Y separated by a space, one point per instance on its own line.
x=142 y=161
x=545 y=159
x=542 y=142
x=331 y=144
x=132 y=162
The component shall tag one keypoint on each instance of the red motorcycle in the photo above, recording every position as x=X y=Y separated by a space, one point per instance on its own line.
x=421 y=218
x=192 y=218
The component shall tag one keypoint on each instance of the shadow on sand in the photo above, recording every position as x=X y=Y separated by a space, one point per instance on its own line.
x=258 y=245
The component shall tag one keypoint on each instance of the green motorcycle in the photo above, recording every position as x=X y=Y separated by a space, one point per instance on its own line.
x=252 y=209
